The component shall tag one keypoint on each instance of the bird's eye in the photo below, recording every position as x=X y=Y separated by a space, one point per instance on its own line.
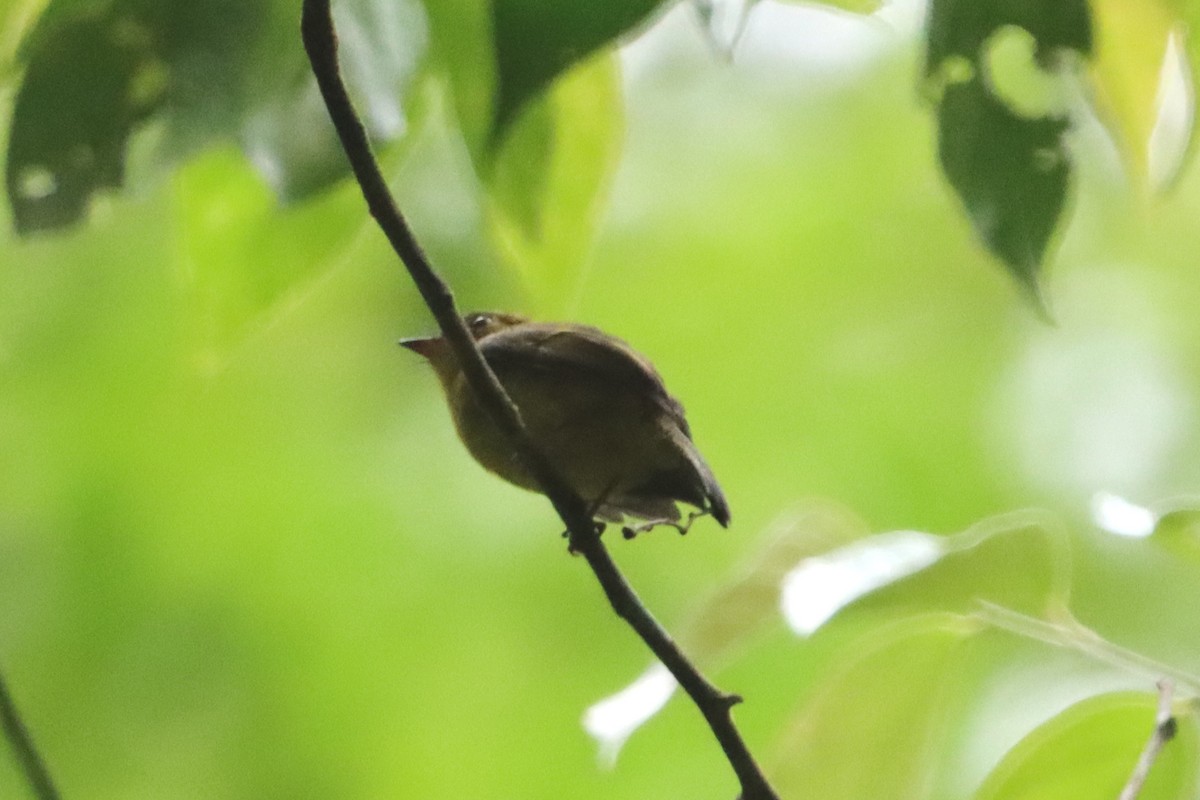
x=478 y=323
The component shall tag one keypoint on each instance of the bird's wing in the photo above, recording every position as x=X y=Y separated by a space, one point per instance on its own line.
x=580 y=352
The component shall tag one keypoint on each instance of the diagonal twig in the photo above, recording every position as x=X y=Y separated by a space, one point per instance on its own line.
x=320 y=41
x=33 y=766
x=1164 y=731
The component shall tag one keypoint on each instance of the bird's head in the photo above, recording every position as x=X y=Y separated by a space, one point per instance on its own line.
x=481 y=324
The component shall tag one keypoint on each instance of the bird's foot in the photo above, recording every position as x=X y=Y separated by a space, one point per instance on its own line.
x=598 y=527
x=631 y=531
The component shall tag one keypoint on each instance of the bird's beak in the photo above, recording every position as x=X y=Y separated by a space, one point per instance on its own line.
x=422 y=346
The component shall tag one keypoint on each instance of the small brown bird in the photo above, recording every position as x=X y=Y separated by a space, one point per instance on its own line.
x=594 y=407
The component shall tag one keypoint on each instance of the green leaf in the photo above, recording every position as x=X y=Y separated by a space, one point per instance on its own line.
x=537 y=40
x=1178 y=531
x=288 y=134
x=240 y=254
x=16 y=17
x=1127 y=74
x=86 y=85
x=1009 y=169
x=885 y=706
x=853 y=6
x=550 y=179
x=463 y=48
x=736 y=613
x=208 y=69
x=1019 y=561
x=1090 y=750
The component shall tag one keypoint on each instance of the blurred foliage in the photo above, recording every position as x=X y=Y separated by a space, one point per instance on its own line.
x=242 y=554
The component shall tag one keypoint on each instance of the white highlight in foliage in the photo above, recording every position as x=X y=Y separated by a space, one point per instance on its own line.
x=612 y=720
x=822 y=585
x=1172 y=132
x=1117 y=515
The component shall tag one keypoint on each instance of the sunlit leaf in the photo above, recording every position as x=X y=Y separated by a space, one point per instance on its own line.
x=16 y=17
x=241 y=255
x=1127 y=73
x=752 y=598
x=854 y=6
x=885 y=708
x=1011 y=171
x=1179 y=532
x=736 y=613
x=1019 y=561
x=549 y=183
x=1090 y=750
x=462 y=47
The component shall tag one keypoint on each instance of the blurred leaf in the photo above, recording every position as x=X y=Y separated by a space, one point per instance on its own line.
x=886 y=707
x=215 y=68
x=853 y=6
x=85 y=87
x=1127 y=73
x=1009 y=170
x=289 y=137
x=16 y=17
x=549 y=183
x=1090 y=749
x=462 y=47
x=1179 y=532
x=537 y=40
x=962 y=27
x=239 y=255
x=734 y=614
x=724 y=21
x=743 y=606
x=1019 y=561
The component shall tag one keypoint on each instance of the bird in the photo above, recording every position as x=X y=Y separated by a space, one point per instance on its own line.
x=594 y=407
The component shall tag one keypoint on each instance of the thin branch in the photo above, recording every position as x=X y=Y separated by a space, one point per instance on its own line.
x=1164 y=731
x=33 y=766
x=1074 y=635
x=320 y=41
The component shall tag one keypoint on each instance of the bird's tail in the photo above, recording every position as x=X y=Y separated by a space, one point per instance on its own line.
x=713 y=498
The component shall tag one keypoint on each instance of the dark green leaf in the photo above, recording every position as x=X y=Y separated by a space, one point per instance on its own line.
x=207 y=69
x=85 y=88
x=536 y=40
x=1010 y=169
x=1010 y=172
x=962 y=27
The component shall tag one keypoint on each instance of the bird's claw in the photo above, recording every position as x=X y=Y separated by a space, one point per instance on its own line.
x=631 y=531
x=597 y=526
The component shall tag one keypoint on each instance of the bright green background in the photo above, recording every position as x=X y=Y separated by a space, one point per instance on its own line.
x=242 y=554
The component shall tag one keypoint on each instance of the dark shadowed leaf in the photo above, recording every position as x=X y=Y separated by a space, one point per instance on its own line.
x=1010 y=172
x=1010 y=168
x=536 y=40
x=206 y=69
x=88 y=82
